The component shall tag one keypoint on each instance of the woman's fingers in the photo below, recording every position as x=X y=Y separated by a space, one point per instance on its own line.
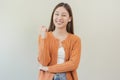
x=43 y=28
x=43 y=31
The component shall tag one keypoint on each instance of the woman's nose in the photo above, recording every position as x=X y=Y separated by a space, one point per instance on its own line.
x=59 y=17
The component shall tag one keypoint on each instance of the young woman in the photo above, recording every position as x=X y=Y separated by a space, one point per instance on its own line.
x=59 y=48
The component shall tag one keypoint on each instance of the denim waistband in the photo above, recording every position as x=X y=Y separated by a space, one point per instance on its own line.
x=60 y=76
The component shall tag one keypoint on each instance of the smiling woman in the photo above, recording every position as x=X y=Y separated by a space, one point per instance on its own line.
x=61 y=17
x=59 y=49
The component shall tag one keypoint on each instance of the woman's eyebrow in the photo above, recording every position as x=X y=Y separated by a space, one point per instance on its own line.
x=62 y=12
x=56 y=11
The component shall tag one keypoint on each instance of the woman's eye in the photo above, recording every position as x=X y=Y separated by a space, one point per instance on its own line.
x=63 y=15
x=56 y=14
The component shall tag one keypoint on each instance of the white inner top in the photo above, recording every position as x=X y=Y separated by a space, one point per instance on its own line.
x=61 y=55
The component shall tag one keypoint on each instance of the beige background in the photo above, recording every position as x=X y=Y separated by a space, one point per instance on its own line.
x=97 y=22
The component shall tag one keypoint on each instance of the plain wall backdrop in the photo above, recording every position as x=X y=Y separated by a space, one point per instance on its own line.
x=97 y=22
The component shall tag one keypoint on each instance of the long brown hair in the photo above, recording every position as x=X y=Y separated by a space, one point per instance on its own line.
x=69 y=27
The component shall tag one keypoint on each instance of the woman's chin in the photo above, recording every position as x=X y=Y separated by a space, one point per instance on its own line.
x=60 y=27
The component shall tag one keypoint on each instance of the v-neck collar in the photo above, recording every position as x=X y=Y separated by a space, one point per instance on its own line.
x=58 y=39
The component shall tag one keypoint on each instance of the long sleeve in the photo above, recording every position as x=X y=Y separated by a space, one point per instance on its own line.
x=73 y=62
x=43 y=48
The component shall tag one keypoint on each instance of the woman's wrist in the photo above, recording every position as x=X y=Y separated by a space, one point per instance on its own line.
x=44 y=68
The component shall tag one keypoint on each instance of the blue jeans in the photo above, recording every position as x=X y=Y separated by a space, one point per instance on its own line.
x=60 y=76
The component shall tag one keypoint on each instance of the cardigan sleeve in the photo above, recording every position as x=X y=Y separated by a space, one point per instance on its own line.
x=73 y=62
x=43 y=48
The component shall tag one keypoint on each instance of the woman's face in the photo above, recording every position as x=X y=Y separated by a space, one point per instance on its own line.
x=61 y=17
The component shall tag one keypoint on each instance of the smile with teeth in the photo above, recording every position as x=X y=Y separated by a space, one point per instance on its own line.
x=59 y=22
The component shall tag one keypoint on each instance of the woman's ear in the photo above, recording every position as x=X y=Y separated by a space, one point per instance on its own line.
x=69 y=19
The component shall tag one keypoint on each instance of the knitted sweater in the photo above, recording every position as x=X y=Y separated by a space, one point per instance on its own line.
x=48 y=49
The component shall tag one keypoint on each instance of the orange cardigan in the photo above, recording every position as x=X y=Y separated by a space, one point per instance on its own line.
x=48 y=49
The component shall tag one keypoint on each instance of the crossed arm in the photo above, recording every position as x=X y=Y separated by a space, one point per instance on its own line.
x=69 y=65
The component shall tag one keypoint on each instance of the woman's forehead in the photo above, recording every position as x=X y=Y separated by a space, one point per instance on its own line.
x=61 y=9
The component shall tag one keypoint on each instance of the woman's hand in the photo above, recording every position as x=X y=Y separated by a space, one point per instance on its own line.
x=43 y=31
x=44 y=68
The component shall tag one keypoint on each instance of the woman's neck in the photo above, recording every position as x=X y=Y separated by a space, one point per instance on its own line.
x=60 y=34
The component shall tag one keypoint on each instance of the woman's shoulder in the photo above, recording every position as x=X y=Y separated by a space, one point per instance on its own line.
x=74 y=37
x=49 y=34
